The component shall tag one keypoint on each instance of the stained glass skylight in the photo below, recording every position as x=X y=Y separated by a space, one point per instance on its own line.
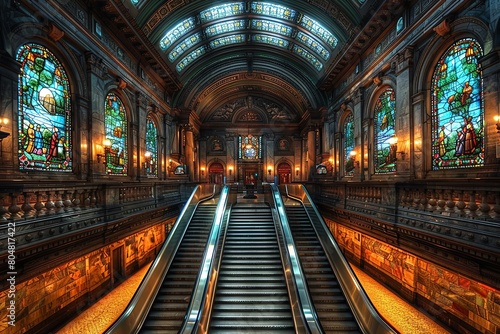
x=270 y=9
x=224 y=27
x=308 y=56
x=222 y=11
x=227 y=40
x=184 y=45
x=177 y=32
x=272 y=27
x=276 y=41
x=190 y=58
x=314 y=45
x=317 y=29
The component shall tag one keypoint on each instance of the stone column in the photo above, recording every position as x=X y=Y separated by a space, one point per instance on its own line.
x=311 y=150
x=359 y=137
x=9 y=71
x=189 y=150
x=231 y=153
x=269 y=161
x=404 y=78
x=491 y=75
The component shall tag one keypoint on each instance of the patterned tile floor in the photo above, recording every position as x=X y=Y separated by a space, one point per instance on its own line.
x=404 y=317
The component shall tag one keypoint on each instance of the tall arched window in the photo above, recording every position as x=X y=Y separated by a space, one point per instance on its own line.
x=348 y=145
x=115 y=124
x=45 y=141
x=385 y=113
x=457 y=108
x=151 y=148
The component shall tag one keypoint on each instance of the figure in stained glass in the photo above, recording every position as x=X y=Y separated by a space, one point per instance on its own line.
x=151 y=148
x=44 y=111
x=457 y=108
x=348 y=145
x=385 y=112
x=115 y=131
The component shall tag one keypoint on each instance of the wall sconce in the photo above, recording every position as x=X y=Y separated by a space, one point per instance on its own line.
x=148 y=161
x=3 y=134
x=497 y=119
x=230 y=170
x=297 y=170
x=269 y=170
x=202 y=171
x=352 y=154
x=101 y=157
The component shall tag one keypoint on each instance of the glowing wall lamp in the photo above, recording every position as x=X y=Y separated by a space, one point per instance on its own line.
x=148 y=161
x=230 y=170
x=203 y=171
x=497 y=119
x=297 y=171
x=269 y=170
x=101 y=158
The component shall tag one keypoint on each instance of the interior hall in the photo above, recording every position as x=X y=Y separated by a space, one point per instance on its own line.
x=250 y=166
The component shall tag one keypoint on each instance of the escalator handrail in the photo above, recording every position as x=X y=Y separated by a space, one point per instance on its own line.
x=304 y=300
x=205 y=273
x=138 y=308
x=368 y=318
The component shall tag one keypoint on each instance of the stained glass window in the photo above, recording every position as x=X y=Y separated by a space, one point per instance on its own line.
x=457 y=108
x=308 y=56
x=318 y=30
x=385 y=151
x=177 y=32
x=227 y=40
x=184 y=45
x=276 y=41
x=45 y=141
x=224 y=27
x=271 y=26
x=250 y=147
x=115 y=123
x=219 y=12
x=190 y=58
x=313 y=45
x=348 y=145
x=274 y=10
x=151 y=148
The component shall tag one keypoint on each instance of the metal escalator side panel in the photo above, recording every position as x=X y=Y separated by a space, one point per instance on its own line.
x=299 y=295
x=135 y=313
x=367 y=316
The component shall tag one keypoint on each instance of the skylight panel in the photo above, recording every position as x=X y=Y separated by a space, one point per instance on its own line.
x=224 y=27
x=222 y=11
x=308 y=56
x=272 y=27
x=271 y=9
x=177 y=32
x=190 y=58
x=314 y=45
x=318 y=30
x=276 y=41
x=227 y=40
x=184 y=45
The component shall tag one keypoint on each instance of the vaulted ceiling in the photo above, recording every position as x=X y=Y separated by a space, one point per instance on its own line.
x=216 y=55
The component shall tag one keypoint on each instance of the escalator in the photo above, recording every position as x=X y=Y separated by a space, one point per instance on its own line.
x=332 y=308
x=168 y=311
x=251 y=294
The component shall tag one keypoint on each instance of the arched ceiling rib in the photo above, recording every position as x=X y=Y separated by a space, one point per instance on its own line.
x=291 y=51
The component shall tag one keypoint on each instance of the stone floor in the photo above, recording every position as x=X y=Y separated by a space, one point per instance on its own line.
x=402 y=316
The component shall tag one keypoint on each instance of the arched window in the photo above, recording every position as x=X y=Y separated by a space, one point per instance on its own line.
x=45 y=141
x=151 y=148
x=457 y=108
x=115 y=123
x=348 y=145
x=385 y=113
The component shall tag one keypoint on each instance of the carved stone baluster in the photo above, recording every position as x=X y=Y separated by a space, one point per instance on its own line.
x=39 y=206
x=461 y=204
x=14 y=209
x=3 y=209
x=76 y=199
x=441 y=202
x=59 y=202
x=67 y=201
x=496 y=207
x=433 y=200
x=472 y=206
x=49 y=205
x=423 y=200
x=450 y=203
x=26 y=207
x=86 y=199
x=484 y=207
x=93 y=198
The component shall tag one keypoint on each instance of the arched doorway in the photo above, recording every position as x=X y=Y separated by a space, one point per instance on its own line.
x=216 y=173
x=284 y=173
